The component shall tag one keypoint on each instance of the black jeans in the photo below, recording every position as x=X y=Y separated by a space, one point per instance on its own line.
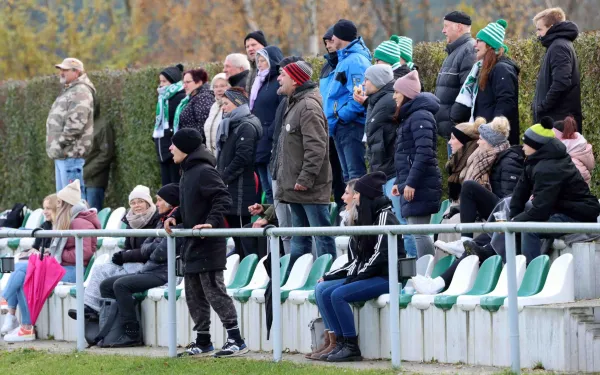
x=235 y=221
x=338 y=185
x=169 y=172
x=122 y=288
x=475 y=200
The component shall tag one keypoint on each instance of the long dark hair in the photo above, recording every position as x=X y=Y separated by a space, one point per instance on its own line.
x=405 y=100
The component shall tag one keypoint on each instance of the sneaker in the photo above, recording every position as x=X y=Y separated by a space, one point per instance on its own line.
x=3 y=306
x=194 y=349
x=427 y=285
x=20 y=335
x=455 y=248
x=232 y=349
x=10 y=323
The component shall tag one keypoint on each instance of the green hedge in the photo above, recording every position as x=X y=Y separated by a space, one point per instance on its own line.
x=128 y=101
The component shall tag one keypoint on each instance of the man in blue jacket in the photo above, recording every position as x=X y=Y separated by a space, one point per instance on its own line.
x=345 y=116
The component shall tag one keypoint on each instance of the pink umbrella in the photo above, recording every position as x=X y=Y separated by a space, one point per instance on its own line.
x=43 y=274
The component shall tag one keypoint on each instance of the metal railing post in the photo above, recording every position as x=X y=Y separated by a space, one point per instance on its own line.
x=513 y=308
x=394 y=300
x=81 y=344
x=276 y=331
x=172 y=309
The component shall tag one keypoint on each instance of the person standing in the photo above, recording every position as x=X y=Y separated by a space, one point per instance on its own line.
x=455 y=68
x=170 y=94
x=558 y=89
x=204 y=201
x=253 y=42
x=304 y=173
x=236 y=68
x=218 y=86
x=70 y=124
x=264 y=101
x=195 y=107
x=345 y=116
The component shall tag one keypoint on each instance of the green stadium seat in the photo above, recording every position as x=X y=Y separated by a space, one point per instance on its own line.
x=319 y=267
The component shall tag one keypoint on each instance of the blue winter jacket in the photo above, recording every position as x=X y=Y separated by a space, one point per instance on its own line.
x=325 y=77
x=266 y=104
x=340 y=106
x=416 y=156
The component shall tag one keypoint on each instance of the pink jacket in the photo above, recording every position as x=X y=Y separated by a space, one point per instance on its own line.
x=84 y=220
x=581 y=153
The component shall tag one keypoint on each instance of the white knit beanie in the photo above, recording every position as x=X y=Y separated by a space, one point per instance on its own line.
x=141 y=192
x=71 y=193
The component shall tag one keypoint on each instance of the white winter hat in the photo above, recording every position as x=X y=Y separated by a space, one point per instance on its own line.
x=71 y=193
x=141 y=192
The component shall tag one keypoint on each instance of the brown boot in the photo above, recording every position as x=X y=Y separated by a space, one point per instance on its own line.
x=321 y=348
x=332 y=344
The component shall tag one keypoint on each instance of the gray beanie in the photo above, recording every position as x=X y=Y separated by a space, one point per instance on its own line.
x=491 y=136
x=379 y=75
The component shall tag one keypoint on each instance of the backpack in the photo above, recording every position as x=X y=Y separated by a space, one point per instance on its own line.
x=14 y=219
x=108 y=329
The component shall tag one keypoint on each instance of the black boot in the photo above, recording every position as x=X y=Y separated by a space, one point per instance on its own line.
x=88 y=313
x=131 y=337
x=350 y=351
x=339 y=344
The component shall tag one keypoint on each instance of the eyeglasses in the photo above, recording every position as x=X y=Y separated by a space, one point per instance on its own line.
x=187 y=82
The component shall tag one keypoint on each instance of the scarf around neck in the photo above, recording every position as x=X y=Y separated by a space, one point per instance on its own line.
x=481 y=162
x=223 y=132
x=258 y=83
x=161 y=121
x=139 y=221
x=468 y=91
x=457 y=164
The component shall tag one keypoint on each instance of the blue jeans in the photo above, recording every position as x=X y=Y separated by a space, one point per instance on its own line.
x=351 y=150
x=95 y=197
x=310 y=215
x=67 y=171
x=337 y=298
x=14 y=295
x=531 y=243
x=266 y=181
x=319 y=290
x=409 y=239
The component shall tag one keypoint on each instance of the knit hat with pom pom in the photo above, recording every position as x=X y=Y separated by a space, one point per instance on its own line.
x=493 y=35
x=539 y=134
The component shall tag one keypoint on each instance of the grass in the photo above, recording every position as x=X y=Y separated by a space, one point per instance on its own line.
x=29 y=361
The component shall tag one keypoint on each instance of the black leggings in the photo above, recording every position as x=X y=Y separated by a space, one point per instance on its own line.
x=123 y=287
x=475 y=200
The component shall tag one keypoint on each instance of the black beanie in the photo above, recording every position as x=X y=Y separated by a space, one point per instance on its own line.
x=170 y=194
x=257 y=35
x=187 y=140
x=371 y=185
x=173 y=73
x=458 y=17
x=345 y=30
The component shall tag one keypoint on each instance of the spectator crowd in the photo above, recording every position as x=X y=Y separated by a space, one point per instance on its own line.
x=364 y=136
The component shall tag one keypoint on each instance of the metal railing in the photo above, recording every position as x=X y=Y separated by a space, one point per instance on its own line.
x=509 y=228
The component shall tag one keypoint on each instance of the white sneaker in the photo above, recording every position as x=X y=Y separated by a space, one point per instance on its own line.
x=3 y=306
x=10 y=323
x=455 y=248
x=427 y=285
x=20 y=335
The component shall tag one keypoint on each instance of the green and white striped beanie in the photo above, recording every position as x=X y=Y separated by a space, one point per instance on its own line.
x=493 y=35
x=406 y=50
x=388 y=51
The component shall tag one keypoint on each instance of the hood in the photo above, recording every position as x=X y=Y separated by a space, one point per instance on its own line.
x=357 y=46
x=81 y=211
x=275 y=56
x=332 y=59
x=199 y=156
x=552 y=150
x=328 y=34
x=425 y=101
x=564 y=30
x=237 y=78
x=82 y=80
x=510 y=63
x=379 y=204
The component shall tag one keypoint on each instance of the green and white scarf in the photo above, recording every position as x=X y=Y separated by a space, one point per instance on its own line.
x=162 y=108
x=469 y=89
x=182 y=104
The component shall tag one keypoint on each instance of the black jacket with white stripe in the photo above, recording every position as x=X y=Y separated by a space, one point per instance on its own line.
x=370 y=262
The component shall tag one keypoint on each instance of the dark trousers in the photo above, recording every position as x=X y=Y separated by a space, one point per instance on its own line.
x=236 y=222
x=122 y=288
x=475 y=200
x=449 y=273
x=169 y=172
x=203 y=290
x=338 y=186
x=254 y=245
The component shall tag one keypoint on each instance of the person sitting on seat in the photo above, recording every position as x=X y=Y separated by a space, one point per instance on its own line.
x=364 y=277
x=577 y=146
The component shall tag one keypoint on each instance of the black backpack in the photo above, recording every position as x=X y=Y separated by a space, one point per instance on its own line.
x=15 y=217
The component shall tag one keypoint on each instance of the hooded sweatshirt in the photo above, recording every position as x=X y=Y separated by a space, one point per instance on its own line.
x=63 y=249
x=581 y=153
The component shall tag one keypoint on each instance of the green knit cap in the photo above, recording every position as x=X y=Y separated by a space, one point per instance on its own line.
x=539 y=134
x=493 y=34
x=388 y=51
x=406 y=48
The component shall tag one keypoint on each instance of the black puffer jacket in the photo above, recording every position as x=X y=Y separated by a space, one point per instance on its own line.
x=162 y=144
x=558 y=89
x=556 y=185
x=381 y=131
x=154 y=249
x=454 y=72
x=236 y=163
x=506 y=171
x=204 y=199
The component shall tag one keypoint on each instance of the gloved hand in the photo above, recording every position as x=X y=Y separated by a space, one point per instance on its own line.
x=118 y=258
x=453 y=211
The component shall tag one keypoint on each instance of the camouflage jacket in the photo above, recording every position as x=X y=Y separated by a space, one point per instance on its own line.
x=70 y=124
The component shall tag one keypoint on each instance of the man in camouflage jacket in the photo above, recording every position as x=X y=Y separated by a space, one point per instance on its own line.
x=70 y=124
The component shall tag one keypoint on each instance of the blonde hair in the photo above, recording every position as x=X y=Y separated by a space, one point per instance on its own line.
x=551 y=16
x=351 y=208
x=501 y=125
x=63 y=216
x=52 y=202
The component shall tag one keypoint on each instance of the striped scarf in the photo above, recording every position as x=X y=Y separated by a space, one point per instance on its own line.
x=469 y=89
x=161 y=121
